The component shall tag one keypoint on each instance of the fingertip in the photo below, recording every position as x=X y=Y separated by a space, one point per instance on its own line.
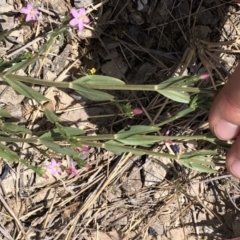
x=225 y=130
x=233 y=159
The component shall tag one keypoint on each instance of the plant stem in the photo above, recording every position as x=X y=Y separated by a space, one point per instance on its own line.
x=109 y=137
x=36 y=81
x=104 y=87
x=134 y=150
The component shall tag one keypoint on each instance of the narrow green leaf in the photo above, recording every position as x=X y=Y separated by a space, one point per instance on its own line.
x=38 y=170
x=80 y=162
x=138 y=140
x=48 y=142
x=197 y=153
x=13 y=128
x=8 y=154
x=91 y=94
x=51 y=116
x=23 y=64
x=177 y=116
x=119 y=148
x=4 y=113
x=136 y=129
x=55 y=133
x=198 y=167
x=177 y=96
x=62 y=130
x=178 y=81
x=98 y=79
x=24 y=89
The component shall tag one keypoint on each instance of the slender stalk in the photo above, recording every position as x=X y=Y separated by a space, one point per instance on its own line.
x=104 y=87
x=135 y=150
x=23 y=140
x=36 y=81
x=108 y=137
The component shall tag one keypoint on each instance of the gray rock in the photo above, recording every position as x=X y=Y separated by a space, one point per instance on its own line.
x=132 y=184
x=115 y=69
x=156 y=170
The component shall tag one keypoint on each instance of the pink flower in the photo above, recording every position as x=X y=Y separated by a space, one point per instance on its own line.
x=137 y=111
x=30 y=12
x=85 y=149
x=79 y=18
x=54 y=167
x=72 y=170
x=204 y=76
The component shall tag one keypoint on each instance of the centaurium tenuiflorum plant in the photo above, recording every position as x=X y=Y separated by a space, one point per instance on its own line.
x=134 y=140
x=30 y=12
x=79 y=18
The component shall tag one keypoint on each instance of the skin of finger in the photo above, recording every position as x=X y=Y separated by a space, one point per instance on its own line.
x=226 y=105
x=233 y=156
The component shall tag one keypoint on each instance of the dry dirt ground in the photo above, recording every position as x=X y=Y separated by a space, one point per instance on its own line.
x=121 y=197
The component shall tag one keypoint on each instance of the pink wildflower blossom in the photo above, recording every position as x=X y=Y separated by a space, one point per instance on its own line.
x=85 y=149
x=30 y=12
x=79 y=18
x=204 y=76
x=72 y=170
x=54 y=167
x=137 y=111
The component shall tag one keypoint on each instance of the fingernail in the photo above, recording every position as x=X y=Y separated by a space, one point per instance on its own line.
x=225 y=130
x=235 y=168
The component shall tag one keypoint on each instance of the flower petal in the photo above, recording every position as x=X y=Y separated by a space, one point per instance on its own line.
x=24 y=10
x=29 y=6
x=36 y=12
x=53 y=162
x=28 y=18
x=54 y=171
x=73 y=22
x=86 y=20
x=82 y=11
x=80 y=25
x=74 y=12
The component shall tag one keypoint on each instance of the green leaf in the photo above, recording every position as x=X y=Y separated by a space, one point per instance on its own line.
x=48 y=142
x=4 y=113
x=13 y=128
x=177 y=116
x=178 y=81
x=137 y=129
x=80 y=162
x=62 y=131
x=56 y=133
x=98 y=79
x=91 y=94
x=51 y=116
x=24 y=89
x=197 y=153
x=39 y=170
x=23 y=64
x=198 y=167
x=8 y=154
x=177 y=96
x=139 y=140
x=119 y=148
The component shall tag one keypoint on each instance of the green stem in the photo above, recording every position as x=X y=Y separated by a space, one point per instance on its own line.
x=104 y=87
x=23 y=140
x=135 y=150
x=37 y=81
x=109 y=137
